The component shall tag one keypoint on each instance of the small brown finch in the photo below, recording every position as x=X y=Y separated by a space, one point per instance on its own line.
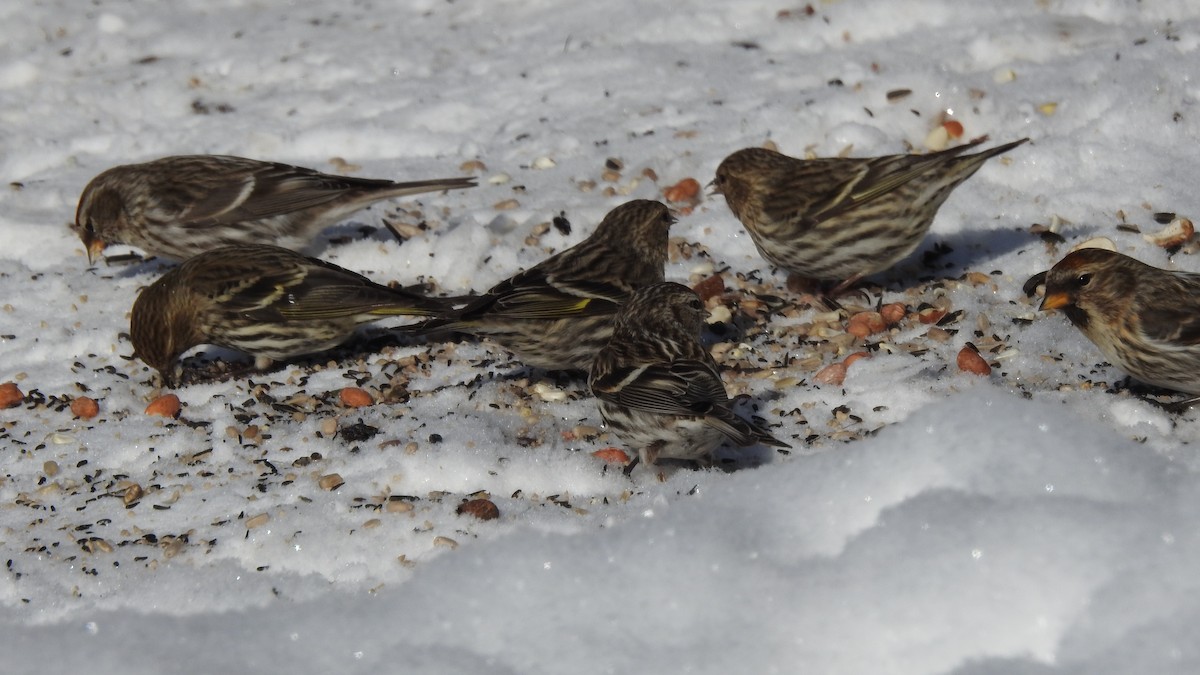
x=178 y=207
x=267 y=301
x=1145 y=320
x=839 y=220
x=557 y=314
x=658 y=388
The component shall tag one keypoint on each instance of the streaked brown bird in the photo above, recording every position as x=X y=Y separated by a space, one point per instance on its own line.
x=659 y=389
x=1145 y=320
x=178 y=207
x=557 y=314
x=266 y=301
x=839 y=220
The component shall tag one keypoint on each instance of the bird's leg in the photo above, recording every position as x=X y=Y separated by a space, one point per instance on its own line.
x=846 y=283
x=647 y=455
x=843 y=287
x=827 y=301
x=632 y=463
x=240 y=369
x=1148 y=393
x=1177 y=407
x=815 y=293
x=811 y=293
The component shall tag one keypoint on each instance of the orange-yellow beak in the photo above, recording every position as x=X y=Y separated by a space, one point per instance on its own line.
x=1056 y=301
x=94 y=248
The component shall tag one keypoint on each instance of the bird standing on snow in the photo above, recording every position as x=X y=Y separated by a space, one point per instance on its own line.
x=559 y=313
x=839 y=220
x=179 y=207
x=1145 y=320
x=658 y=388
x=267 y=301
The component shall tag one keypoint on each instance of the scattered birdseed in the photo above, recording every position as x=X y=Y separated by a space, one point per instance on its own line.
x=483 y=509
x=258 y=521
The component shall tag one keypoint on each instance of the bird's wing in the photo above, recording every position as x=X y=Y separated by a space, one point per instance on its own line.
x=875 y=179
x=312 y=290
x=1177 y=323
x=792 y=198
x=852 y=183
x=684 y=387
x=534 y=295
x=243 y=284
x=273 y=190
x=251 y=190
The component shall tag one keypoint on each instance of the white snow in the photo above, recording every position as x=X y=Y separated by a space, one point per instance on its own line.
x=1027 y=522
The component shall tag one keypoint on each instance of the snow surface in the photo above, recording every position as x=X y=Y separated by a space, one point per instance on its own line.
x=1033 y=521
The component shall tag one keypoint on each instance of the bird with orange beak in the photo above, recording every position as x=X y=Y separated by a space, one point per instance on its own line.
x=1145 y=320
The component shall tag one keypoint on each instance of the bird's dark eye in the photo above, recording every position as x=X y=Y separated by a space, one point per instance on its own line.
x=1084 y=279
x=695 y=303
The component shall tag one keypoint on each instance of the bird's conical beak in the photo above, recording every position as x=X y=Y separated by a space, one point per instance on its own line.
x=1055 y=301
x=712 y=188
x=94 y=248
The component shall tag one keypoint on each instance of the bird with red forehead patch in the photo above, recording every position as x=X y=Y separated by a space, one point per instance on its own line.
x=1145 y=320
